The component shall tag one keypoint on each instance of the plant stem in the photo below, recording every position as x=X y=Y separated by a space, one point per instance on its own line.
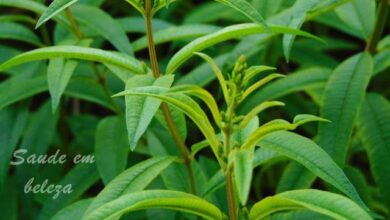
x=231 y=197
x=383 y=9
x=164 y=107
x=76 y=29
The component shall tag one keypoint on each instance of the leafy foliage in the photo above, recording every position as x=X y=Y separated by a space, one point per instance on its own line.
x=225 y=109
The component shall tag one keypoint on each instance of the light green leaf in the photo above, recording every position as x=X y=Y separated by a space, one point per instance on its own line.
x=261 y=83
x=327 y=203
x=374 y=128
x=132 y=180
x=246 y=9
x=305 y=118
x=298 y=81
x=76 y=52
x=59 y=72
x=342 y=99
x=261 y=107
x=218 y=73
x=141 y=110
x=313 y=157
x=202 y=94
x=165 y=199
x=277 y=125
x=186 y=105
x=243 y=170
x=111 y=147
x=231 y=32
x=54 y=8
x=15 y=31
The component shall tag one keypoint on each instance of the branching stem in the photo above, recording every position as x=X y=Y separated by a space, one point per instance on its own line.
x=164 y=107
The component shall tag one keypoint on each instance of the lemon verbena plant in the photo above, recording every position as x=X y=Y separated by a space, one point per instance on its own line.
x=207 y=115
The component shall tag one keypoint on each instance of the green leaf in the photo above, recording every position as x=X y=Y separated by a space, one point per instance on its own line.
x=313 y=157
x=261 y=83
x=14 y=89
x=327 y=203
x=73 y=211
x=15 y=31
x=59 y=72
x=218 y=73
x=358 y=15
x=277 y=125
x=186 y=105
x=342 y=99
x=54 y=8
x=133 y=179
x=34 y=7
x=202 y=94
x=106 y=26
x=76 y=52
x=141 y=110
x=243 y=170
x=13 y=121
x=374 y=129
x=246 y=9
x=231 y=32
x=173 y=34
x=298 y=81
x=165 y=199
x=111 y=147
x=255 y=111
x=299 y=10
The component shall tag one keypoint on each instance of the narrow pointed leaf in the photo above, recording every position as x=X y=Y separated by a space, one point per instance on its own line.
x=59 y=72
x=243 y=169
x=111 y=147
x=204 y=95
x=231 y=32
x=54 y=8
x=133 y=179
x=15 y=31
x=374 y=128
x=342 y=99
x=327 y=203
x=185 y=104
x=141 y=110
x=76 y=52
x=218 y=73
x=172 y=200
x=313 y=157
